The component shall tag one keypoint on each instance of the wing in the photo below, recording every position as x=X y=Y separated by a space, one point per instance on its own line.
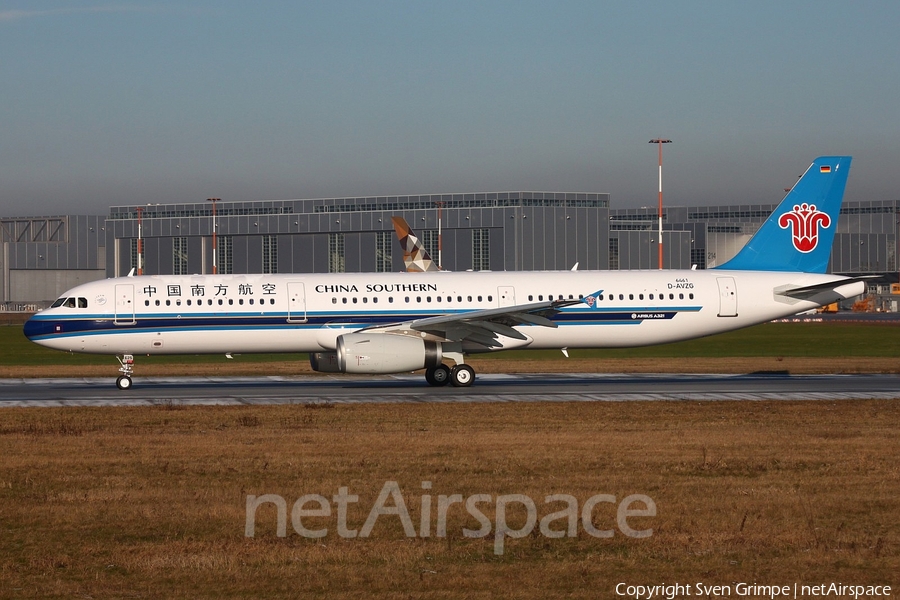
x=481 y=327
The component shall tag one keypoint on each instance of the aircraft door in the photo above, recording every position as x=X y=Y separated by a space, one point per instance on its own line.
x=296 y=302
x=507 y=295
x=727 y=297
x=124 y=304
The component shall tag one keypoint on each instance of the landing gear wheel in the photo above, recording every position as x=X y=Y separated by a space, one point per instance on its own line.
x=437 y=376
x=462 y=376
x=126 y=369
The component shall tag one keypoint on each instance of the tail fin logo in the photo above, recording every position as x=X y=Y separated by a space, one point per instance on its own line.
x=804 y=221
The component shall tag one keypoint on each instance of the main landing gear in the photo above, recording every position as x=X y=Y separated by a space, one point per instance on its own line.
x=461 y=375
x=127 y=368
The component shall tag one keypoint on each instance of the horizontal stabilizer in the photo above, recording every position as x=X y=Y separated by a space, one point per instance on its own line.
x=808 y=291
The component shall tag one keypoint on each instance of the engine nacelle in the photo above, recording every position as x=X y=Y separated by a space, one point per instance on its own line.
x=383 y=353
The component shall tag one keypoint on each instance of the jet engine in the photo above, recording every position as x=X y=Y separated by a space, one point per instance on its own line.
x=377 y=353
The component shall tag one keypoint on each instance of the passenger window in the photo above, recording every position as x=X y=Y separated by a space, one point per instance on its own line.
x=241 y=301
x=188 y=302
x=438 y=299
x=231 y=302
x=631 y=296
x=418 y=298
x=530 y=297
x=459 y=298
x=354 y=301
x=157 y=303
x=600 y=297
x=390 y=299
x=178 y=302
x=407 y=299
x=490 y=298
x=449 y=298
x=621 y=296
x=365 y=300
x=691 y=296
x=146 y=303
x=209 y=302
x=479 y=298
x=344 y=300
x=651 y=296
x=640 y=296
x=375 y=300
x=428 y=298
x=470 y=298
x=221 y=302
x=681 y=296
x=540 y=297
x=168 y=303
x=671 y=296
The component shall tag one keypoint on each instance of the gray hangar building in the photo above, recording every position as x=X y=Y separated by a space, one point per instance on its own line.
x=500 y=231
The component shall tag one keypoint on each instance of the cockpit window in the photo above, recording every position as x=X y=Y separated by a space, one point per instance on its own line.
x=70 y=303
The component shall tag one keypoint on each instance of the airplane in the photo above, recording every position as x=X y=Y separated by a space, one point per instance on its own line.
x=415 y=256
x=380 y=323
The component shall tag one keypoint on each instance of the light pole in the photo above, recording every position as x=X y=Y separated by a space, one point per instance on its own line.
x=659 y=142
x=440 y=206
x=140 y=243
x=215 y=245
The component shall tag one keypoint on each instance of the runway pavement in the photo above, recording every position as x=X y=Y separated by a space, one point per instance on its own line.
x=412 y=388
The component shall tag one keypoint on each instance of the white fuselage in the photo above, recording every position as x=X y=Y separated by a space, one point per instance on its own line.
x=307 y=312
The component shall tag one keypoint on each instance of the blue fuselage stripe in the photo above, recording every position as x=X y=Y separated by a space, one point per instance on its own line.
x=57 y=326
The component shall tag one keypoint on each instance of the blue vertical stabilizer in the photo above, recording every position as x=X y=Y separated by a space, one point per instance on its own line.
x=799 y=234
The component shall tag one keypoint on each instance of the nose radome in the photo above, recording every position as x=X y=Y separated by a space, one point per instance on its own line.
x=35 y=328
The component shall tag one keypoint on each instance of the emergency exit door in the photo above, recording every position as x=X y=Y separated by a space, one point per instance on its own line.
x=296 y=302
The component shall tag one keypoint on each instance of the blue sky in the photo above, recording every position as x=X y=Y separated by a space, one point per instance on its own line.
x=144 y=102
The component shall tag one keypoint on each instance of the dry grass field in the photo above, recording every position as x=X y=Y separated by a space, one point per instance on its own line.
x=150 y=502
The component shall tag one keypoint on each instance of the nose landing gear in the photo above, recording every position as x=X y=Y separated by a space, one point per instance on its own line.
x=127 y=368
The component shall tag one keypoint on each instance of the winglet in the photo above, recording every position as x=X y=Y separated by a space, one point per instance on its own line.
x=593 y=300
x=799 y=234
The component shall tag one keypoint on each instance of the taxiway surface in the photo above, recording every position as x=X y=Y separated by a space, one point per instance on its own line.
x=412 y=388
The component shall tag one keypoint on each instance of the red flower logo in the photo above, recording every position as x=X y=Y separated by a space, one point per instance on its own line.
x=804 y=222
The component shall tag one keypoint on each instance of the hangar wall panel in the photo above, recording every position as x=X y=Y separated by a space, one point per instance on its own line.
x=42 y=285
